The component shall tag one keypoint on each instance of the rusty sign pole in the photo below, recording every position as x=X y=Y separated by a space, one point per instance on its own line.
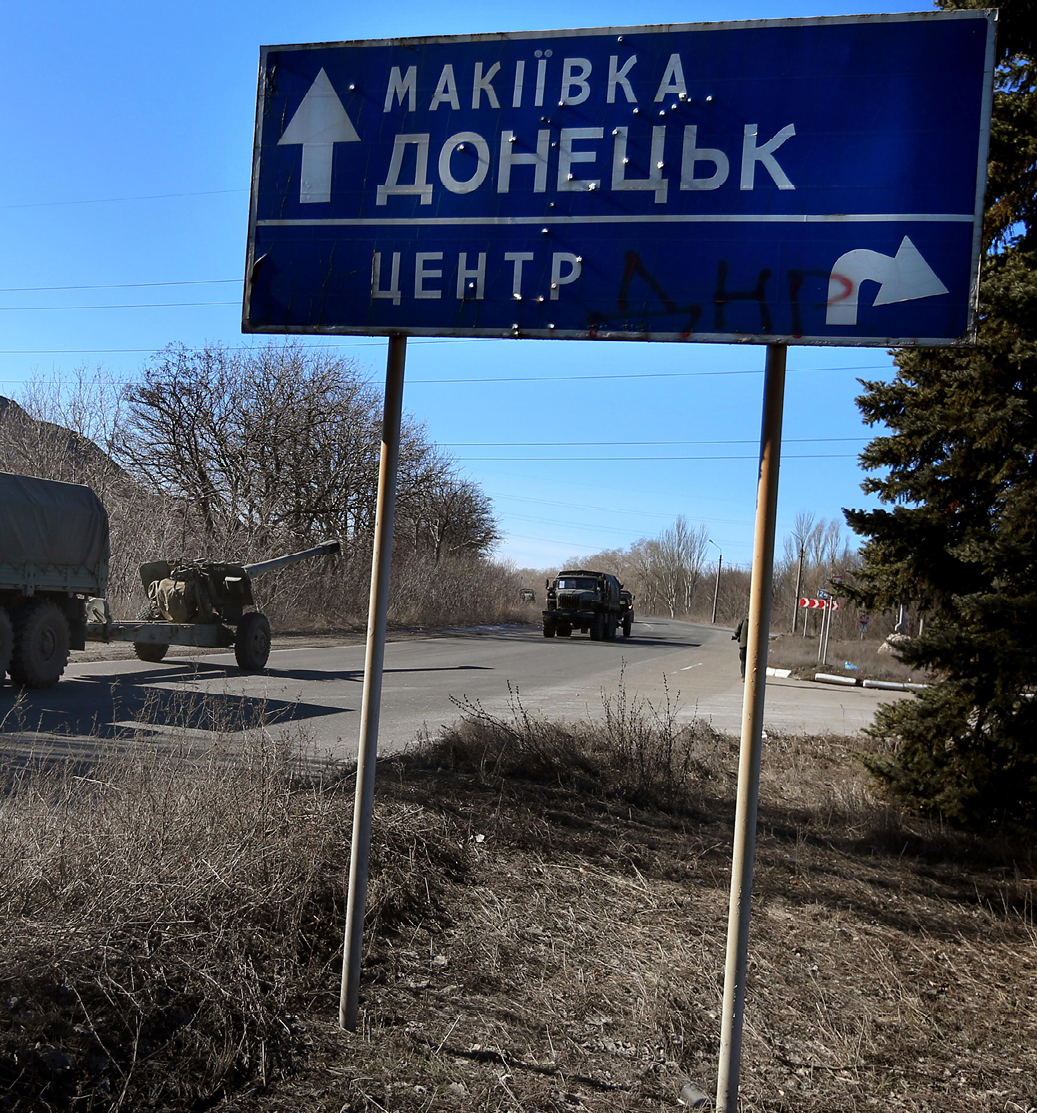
x=367 y=753
x=744 y=848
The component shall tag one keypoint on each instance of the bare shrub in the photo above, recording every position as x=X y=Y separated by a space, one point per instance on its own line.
x=458 y=590
x=640 y=754
x=154 y=902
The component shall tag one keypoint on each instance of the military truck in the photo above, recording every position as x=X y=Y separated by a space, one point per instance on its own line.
x=580 y=599
x=54 y=576
x=53 y=557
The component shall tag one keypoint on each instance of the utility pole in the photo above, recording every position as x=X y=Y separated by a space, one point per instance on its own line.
x=716 y=587
x=799 y=584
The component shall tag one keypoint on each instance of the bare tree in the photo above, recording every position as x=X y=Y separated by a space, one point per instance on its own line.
x=271 y=447
x=71 y=430
x=66 y=429
x=814 y=552
x=452 y=517
x=677 y=567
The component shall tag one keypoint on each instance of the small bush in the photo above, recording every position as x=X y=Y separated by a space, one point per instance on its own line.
x=641 y=754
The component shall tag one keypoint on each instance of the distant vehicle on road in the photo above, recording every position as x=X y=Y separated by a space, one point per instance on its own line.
x=588 y=601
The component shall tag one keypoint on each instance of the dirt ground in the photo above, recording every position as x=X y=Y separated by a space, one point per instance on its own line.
x=564 y=951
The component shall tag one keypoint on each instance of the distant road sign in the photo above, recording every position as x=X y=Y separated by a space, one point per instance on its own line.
x=803 y=181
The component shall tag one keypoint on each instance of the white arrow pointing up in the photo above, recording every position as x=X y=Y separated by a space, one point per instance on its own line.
x=901 y=278
x=318 y=124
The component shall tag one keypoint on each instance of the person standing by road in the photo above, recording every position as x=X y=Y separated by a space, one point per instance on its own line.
x=741 y=635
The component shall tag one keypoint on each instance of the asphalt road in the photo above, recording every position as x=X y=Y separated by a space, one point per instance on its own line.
x=315 y=692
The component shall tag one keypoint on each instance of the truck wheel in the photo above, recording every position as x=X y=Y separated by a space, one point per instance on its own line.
x=252 y=645
x=549 y=629
x=40 y=650
x=610 y=628
x=153 y=652
x=6 y=642
x=598 y=628
x=627 y=623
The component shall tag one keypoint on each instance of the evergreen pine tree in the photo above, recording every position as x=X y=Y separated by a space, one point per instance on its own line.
x=958 y=472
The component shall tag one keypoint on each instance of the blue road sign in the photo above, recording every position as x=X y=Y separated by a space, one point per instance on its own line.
x=812 y=181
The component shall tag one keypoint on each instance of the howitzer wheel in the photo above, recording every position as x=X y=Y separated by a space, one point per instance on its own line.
x=152 y=652
x=252 y=645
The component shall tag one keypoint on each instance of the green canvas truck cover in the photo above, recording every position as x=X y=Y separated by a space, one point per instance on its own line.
x=47 y=523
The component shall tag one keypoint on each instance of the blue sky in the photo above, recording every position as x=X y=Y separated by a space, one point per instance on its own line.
x=124 y=207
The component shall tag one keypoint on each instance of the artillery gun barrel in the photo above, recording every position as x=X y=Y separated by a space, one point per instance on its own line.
x=325 y=548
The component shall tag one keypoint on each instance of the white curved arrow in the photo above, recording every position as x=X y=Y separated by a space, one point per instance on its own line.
x=902 y=277
x=319 y=123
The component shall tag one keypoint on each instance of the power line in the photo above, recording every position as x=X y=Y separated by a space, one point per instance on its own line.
x=70 y=308
x=617 y=444
x=158 y=351
x=639 y=459
x=118 y=285
x=668 y=515
x=116 y=200
x=639 y=375
x=594 y=528
x=422 y=342
x=742 y=567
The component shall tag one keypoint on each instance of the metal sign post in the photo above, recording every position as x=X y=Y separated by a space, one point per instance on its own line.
x=363 y=807
x=744 y=848
x=821 y=659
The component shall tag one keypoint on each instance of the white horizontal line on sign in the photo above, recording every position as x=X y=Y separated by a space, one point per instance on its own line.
x=719 y=218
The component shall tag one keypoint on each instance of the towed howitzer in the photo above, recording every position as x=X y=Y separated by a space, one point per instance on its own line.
x=200 y=603
x=211 y=590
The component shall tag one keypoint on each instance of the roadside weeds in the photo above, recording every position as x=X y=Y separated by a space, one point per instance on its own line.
x=545 y=929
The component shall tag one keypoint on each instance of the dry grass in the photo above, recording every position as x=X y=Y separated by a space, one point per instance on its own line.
x=791 y=651
x=546 y=931
x=161 y=908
